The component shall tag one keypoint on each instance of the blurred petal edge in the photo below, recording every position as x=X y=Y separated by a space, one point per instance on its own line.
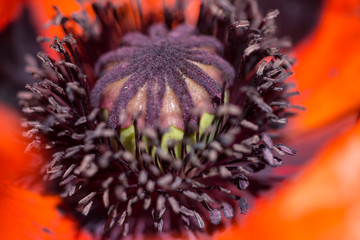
x=322 y=203
x=329 y=66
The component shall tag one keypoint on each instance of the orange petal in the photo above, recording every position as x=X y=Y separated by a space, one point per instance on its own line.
x=8 y=11
x=328 y=68
x=12 y=160
x=323 y=203
x=23 y=214
x=43 y=11
x=27 y=215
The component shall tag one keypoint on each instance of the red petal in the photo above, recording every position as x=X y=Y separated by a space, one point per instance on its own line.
x=43 y=11
x=328 y=68
x=24 y=214
x=8 y=11
x=30 y=216
x=323 y=203
x=12 y=160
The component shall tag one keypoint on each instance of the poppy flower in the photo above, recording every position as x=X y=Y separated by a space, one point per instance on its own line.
x=52 y=126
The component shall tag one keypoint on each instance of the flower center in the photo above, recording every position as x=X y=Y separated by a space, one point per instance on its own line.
x=152 y=80
x=162 y=78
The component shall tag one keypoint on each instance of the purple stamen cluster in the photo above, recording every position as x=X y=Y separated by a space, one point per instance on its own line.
x=191 y=186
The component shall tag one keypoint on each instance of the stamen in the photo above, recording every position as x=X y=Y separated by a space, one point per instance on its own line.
x=100 y=113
